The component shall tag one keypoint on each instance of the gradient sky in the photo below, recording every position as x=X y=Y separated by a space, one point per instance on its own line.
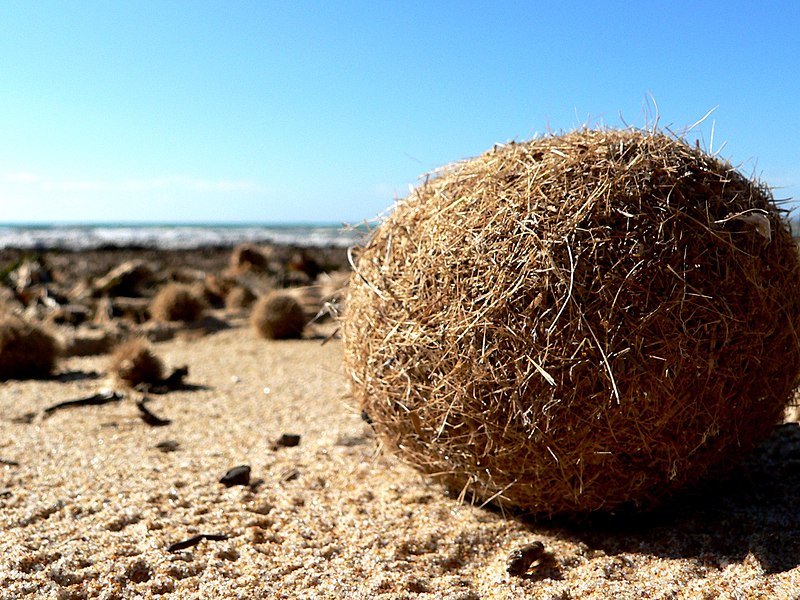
x=326 y=111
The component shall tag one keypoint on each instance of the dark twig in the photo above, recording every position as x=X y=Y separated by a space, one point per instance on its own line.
x=149 y=417
x=194 y=540
x=94 y=400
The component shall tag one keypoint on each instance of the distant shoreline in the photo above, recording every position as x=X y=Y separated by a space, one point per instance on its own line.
x=172 y=236
x=187 y=224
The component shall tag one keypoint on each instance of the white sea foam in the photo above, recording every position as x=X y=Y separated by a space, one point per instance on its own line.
x=172 y=237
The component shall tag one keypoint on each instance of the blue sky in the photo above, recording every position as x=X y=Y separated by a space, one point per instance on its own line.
x=326 y=111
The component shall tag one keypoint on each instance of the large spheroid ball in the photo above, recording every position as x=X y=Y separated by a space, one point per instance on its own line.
x=578 y=322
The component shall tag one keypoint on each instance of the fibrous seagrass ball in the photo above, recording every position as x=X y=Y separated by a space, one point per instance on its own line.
x=177 y=302
x=577 y=323
x=133 y=363
x=239 y=296
x=26 y=351
x=248 y=257
x=277 y=316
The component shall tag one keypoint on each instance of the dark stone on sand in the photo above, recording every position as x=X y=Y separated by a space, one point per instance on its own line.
x=521 y=559
x=167 y=446
x=236 y=476
x=288 y=440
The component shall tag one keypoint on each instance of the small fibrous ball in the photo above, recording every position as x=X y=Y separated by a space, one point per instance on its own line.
x=216 y=287
x=248 y=257
x=26 y=351
x=177 y=302
x=134 y=363
x=239 y=297
x=277 y=316
x=577 y=323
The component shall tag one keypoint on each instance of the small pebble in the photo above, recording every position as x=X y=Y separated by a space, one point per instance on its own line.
x=168 y=446
x=290 y=475
x=521 y=559
x=288 y=440
x=24 y=419
x=236 y=476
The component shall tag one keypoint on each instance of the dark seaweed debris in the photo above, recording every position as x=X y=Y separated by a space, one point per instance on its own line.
x=149 y=417
x=93 y=400
x=194 y=540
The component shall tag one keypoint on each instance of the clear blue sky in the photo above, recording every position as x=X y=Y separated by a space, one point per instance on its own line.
x=326 y=111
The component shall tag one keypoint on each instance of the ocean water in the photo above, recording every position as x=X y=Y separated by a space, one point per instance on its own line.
x=173 y=236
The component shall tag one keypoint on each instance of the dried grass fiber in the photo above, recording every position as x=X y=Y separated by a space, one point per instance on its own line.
x=578 y=322
x=26 y=350
x=278 y=316
x=133 y=363
x=177 y=302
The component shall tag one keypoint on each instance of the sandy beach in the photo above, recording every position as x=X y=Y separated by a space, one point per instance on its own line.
x=97 y=503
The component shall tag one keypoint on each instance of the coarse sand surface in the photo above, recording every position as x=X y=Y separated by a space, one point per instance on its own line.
x=93 y=500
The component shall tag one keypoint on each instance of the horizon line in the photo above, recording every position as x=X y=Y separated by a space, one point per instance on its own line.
x=168 y=223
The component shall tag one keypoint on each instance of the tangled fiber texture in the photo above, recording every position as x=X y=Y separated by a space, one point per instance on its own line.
x=26 y=351
x=577 y=323
x=133 y=363
x=278 y=316
x=177 y=302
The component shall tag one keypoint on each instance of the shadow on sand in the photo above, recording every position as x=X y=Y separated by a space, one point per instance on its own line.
x=751 y=510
